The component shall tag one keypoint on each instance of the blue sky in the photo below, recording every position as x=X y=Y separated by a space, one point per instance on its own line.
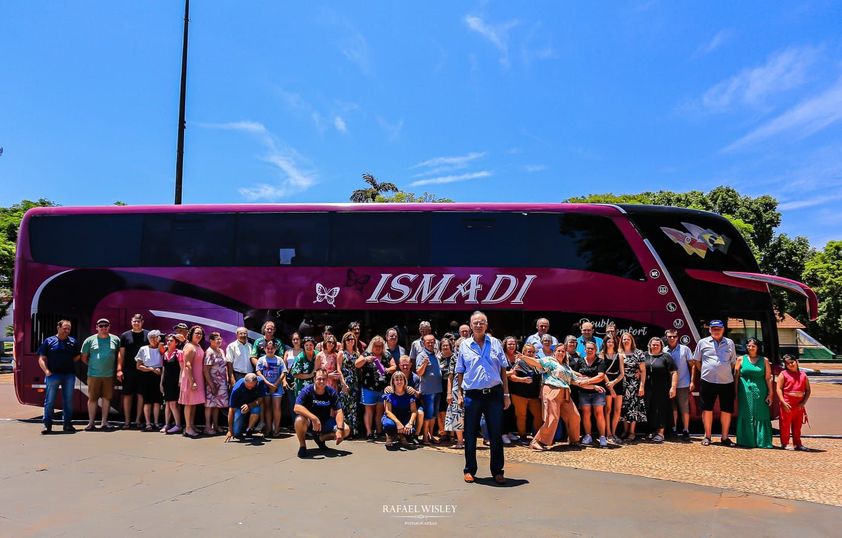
x=476 y=101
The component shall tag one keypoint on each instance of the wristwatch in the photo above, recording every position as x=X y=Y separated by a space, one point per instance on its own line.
x=507 y=394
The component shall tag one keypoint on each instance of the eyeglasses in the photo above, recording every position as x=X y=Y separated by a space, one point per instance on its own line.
x=672 y=337
x=479 y=323
x=104 y=325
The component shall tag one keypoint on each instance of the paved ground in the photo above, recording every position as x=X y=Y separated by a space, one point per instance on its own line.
x=147 y=483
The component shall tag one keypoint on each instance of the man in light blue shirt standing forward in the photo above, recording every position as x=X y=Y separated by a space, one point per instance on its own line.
x=484 y=390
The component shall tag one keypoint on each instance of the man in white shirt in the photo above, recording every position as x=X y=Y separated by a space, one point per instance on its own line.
x=716 y=356
x=237 y=356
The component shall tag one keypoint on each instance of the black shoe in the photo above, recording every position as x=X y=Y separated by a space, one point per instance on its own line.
x=685 y=435
x=371 y=438
x=69 y=429
x=46 y=430
x=318 y=440
x=727 y=442
x=302 y=452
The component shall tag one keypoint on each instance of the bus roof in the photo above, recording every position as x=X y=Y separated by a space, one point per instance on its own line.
x=597 y=209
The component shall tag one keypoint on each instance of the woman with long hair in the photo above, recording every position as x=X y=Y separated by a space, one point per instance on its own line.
x=634 y=363
x=170 y=379
x=349 y=396
x=328 y=360
x=192 y=379
x=754 y=393
x=615 y=372
x=525 y=388
x=372 y=366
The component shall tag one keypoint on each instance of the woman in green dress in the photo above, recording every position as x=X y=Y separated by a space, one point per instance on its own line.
x=754 y=394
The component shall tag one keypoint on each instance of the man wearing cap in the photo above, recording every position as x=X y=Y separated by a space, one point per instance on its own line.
x=130 y=343
x=180 y=330
x=716 y=356
x=99 y=352
x=57 y=356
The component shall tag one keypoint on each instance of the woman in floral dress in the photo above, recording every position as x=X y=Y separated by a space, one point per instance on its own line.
x=328 y=359
x=216 y=384
x=634 y=363
x=454 y=420
x=349 y=397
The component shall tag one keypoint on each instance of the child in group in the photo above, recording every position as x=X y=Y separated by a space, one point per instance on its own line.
x=793 y=389
x=272 y=370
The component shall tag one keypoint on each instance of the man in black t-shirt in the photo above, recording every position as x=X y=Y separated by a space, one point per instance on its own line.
x=319 y=412
x=127 y=374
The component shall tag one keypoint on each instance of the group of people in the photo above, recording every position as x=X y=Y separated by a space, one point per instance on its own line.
x=586 y=388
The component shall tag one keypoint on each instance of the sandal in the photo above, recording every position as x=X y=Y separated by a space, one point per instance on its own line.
x=706 y=441
x=90 y=428
x=458 y=446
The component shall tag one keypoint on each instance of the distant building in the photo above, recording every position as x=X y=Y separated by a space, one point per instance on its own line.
x=792 y=337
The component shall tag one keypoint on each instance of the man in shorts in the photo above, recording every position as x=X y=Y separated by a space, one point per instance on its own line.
x=716 y=356
x=682 y=357
x=318 y=412
x=99 y=352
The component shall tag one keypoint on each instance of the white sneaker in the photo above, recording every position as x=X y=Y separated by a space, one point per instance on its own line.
x=506 y=440
x=603 y=442
x=587 y=439
x=789 y=447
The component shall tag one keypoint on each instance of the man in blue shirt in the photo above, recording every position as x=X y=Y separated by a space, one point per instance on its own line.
x=543 y=327
x=56 y=357
x=244 y=406
x=481 y=375
x=319 y=412
x=587 y=336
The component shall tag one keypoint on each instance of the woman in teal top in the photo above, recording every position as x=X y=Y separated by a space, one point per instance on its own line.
x=753 y=377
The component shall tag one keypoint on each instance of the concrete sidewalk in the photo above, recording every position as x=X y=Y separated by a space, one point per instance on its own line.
x=102 y=484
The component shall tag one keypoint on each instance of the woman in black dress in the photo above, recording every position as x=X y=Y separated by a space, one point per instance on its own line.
x=614 y=389
x=661 y=382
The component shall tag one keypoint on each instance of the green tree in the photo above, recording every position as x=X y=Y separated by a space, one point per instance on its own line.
x=402 y=197
x=375 y=188
x=10 y=218
x=823 y=273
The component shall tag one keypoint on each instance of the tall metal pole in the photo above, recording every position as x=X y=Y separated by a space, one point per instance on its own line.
x=179 y=162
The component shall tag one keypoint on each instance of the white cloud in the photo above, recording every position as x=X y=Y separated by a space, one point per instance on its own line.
x=450 y=179
x=286 y=161
x=340 y=125
x=782 y=71
x=715 y=42
x=813 y=201
x=496 y=34
x=533 y=168
x=805 y=118
x=452 y=162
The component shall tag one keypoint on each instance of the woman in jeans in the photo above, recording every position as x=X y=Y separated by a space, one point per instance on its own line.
x=525 y=388
x=399 y=414
x=372 y=367
x=591 y=400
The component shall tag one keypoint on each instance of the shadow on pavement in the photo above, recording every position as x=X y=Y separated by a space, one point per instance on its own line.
x=510 y=482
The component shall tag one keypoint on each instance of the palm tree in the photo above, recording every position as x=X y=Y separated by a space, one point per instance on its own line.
x=364 y=196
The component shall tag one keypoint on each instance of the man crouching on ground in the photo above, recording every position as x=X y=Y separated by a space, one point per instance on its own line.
x=318 y=412
x=244 y=406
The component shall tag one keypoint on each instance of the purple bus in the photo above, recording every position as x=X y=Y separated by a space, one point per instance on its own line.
x=385 y=265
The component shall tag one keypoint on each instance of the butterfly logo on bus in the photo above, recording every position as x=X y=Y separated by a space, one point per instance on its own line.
x=698 y=240
x=325 y=295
